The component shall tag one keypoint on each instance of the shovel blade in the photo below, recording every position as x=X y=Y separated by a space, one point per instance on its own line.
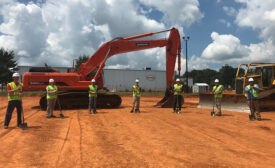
x=251 y=118
x=213 y=114
x=24 y=126
x=62 y=116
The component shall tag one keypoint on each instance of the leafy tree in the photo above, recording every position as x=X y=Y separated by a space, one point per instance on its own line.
x=7 y=66
x=81 y=59
x=203 y=76
x=227 y=75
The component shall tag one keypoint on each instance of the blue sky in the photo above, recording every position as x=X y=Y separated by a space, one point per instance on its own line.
x=221 y=31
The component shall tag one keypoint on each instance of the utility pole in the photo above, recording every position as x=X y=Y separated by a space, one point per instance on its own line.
x=186 y=39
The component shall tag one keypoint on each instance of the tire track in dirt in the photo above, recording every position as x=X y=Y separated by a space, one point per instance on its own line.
x=80 y=139
x=63 y=144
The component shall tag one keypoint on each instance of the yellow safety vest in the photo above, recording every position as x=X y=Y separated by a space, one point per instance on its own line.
x=15 y=95
x=92 y=88
x=254 y=92
x=178 y=87
x=136 y=91
x=51 y=88
x=218 y=90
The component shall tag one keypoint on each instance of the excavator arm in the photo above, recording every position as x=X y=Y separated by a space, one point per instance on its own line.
x=129 y=44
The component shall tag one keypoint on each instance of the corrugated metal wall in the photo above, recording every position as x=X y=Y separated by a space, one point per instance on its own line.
x=121 y=80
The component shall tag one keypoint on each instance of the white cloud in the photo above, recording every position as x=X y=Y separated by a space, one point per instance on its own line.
x=230 y=11
x=258 y=15
x=226 y=23
x=177 y=12
x=224 y=47
x=227 y=49
x=56 y=32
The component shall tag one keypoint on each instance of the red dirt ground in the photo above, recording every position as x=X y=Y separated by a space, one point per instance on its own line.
x=154 y=138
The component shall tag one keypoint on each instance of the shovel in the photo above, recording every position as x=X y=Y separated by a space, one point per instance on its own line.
x=177 y=108
x=24 y=125
x=213 y=112
x=251 y=117
x=61 y=114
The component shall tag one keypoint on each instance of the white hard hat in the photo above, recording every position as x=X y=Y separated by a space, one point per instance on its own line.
x=137 y=80
x=217 y=80
x=250 y=80
x=93 y=80
x=51 y=81
x=15 y=75
x=177 y=80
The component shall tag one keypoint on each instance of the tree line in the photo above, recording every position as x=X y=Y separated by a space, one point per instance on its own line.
x=226 y=75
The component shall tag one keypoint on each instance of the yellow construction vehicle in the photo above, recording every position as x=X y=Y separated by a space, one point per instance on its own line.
x=263 y=75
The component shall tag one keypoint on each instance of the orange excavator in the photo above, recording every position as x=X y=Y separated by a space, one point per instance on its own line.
x=74 y=85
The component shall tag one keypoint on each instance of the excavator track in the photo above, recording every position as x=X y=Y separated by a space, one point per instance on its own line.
x=78 y=100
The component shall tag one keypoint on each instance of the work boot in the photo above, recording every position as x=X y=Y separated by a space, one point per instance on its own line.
x=95 y=112
x=5 y=126
x=259 y=118
x=131 y=111
x=48 y=116
x=219 y=114
x=19 y=125
x=53 y=116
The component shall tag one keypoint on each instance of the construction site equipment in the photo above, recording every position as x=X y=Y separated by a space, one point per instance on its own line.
x=213 y=111
x=24 y=125
x=263 y=74
x=75 y=84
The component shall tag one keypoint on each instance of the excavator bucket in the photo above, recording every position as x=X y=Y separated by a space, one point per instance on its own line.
x=167 y=101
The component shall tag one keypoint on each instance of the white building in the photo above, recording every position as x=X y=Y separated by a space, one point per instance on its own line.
x=122 y=80
x=200 y=88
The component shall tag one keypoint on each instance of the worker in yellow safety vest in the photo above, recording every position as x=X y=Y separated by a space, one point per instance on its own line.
x=178 y=93
x=92 y=96
x=217 y=91
x=51 y=98
x=252 y=96
x=136 y=96
x=15 y=92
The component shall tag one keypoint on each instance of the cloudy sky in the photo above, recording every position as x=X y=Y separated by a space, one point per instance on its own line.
x=57 y=31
